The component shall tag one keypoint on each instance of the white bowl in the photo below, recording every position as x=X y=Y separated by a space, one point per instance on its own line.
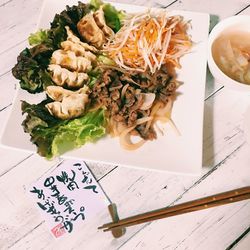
x=234 y=23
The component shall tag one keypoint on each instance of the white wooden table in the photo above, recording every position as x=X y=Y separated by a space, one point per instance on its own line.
x=226 y=163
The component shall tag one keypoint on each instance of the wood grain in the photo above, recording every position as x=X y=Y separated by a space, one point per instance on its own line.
x=18 y=19
x=221 y=9
x=210 y=229
x=9 y=57
x=226 y=163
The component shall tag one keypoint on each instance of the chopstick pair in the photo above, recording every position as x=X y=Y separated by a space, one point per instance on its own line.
x=191 y=206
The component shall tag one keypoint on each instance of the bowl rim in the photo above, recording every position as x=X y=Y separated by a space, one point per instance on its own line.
x=214 y=69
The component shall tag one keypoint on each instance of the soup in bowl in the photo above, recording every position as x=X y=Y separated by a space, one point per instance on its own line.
x=229 y=52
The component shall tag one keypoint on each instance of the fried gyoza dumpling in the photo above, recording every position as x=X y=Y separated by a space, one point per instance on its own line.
x=64 y=77
x=71 y=37
x=68 y=104
x=69 y=60
x=90 y=31
x=101 y=23
x=78 y=49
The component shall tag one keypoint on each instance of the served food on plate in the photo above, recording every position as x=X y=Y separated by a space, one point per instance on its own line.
x=231 y=52
x=103 y=71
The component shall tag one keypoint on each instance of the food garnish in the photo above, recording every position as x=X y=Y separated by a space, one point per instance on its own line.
x=54 y=136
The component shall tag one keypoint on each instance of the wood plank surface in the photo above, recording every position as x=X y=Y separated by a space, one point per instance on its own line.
x=18 y=19
x=226 y=163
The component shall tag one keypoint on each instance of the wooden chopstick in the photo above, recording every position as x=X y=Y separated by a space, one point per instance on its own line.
x=191 y=206
x=187 y=210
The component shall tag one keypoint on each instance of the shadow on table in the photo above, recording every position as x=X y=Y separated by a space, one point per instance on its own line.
x=208 y=128
x=208 y=140
x=213 y=21
x=208 y=122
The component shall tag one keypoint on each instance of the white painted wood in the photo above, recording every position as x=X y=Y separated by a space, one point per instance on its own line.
x=140 y=191
x=7 y=85
x=246 y=11
x=20 y=214
x=10 y=159
x=226 y=164
x=215 y=228
x=223 y=125
x=243 y=244
x=221 y=9
x=149 y=3
x=115 y=187
x=18 y=19
x=9 y=57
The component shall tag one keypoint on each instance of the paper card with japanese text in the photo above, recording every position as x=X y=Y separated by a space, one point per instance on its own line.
x=68 y=196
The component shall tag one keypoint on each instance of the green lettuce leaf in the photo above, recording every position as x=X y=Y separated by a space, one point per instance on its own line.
x=69 y=17
x=94 y=75
x=32 y=63
x=31 y=69
x=37 y=115
x=96 y=4
x=113 y=17
x=39 y=37
x=105 y=60
x=77 y=132
x=53 y=136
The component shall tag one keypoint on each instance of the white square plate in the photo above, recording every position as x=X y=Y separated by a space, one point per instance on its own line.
x=170 y=152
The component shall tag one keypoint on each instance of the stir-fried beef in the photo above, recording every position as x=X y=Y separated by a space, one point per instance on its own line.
x=121 y=94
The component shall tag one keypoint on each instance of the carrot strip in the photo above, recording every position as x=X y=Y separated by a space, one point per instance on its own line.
x=142 y=42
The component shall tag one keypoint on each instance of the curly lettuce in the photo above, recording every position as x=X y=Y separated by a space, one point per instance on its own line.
x=53 y=136
x=32 y=63
x=31 y=69
x=69 y=17
x=38 y=37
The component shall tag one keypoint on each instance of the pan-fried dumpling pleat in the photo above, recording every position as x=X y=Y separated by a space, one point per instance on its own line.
x=57 y=93
x=68 y=104
x=64 y=77
x=78 y=49
x=101 y=23
x=69 y=60
x=89 y=30
x=71 y=37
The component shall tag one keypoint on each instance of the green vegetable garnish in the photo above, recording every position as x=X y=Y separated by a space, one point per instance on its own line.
x=92 y=81
x=31 y=67
x=96 y=4
x=105 y=60
x=53 y=136
x=113 y=17
x=39 y=37
x=69 y=17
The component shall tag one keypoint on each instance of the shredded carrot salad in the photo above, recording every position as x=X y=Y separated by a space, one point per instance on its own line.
x=146 y=42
